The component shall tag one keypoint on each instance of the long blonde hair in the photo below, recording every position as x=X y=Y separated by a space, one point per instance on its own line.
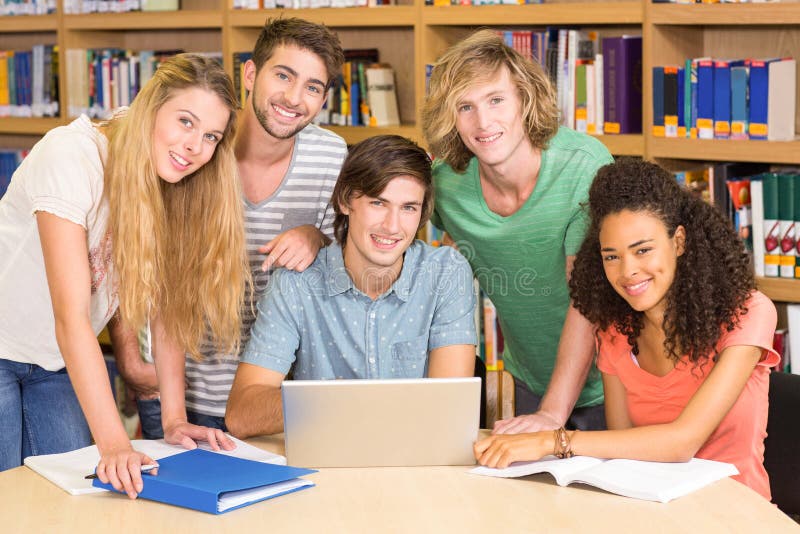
x=478 y=58
x=178 y=249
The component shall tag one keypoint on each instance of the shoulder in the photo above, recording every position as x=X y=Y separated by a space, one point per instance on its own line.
x=77 y=139
x=444 y=177
x=612 y=346
x=322 y=140
x=755 y=327
x=579 y=145
x=440 y=258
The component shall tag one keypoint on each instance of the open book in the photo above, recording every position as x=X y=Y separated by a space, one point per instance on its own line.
x=69 y=469
x=651 y=481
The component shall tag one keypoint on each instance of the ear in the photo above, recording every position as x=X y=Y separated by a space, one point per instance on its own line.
x=249 y=75
x=680 y=239
x=345 y=208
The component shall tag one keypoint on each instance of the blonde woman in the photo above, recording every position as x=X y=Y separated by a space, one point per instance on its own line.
x=139 y=216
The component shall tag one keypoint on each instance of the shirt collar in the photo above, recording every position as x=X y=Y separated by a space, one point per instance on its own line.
x=339 y=280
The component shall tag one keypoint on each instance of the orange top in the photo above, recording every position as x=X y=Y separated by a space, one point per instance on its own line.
x=652 y=400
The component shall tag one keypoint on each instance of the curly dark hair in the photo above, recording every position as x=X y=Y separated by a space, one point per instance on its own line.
x=713 y=278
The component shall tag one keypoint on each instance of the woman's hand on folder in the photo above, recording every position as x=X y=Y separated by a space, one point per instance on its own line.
x=122 y=469
x=187 y=434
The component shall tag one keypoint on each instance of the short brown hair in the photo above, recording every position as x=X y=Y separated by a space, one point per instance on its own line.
x=316 y=38
x=368 y=169
x=478 y=58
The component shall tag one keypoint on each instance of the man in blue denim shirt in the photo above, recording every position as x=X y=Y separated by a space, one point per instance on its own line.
x=375 y=304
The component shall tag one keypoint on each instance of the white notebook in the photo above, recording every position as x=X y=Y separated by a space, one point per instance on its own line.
x=68 y=470
x=651 y=481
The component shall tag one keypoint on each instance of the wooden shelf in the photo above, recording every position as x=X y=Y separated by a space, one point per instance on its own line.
x=623 y=145
x=780 y=289
x=354 y=134
x=615 y=13
x=785 y=152
x=28 y=23
x=333 y=17
x=150 y=20
x=28 y=126
x=756 y=14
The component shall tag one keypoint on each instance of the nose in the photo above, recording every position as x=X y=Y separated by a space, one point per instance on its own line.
x=630 y=267
x=293 y=94
x=391 y=223
x=193 y=142
x=482 y=117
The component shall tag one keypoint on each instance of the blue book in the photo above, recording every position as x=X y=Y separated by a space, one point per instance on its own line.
x=739 y=105
x=705 y=99
x=216 y=483
x=681 y=102
x=722 y=100
x=759 y=96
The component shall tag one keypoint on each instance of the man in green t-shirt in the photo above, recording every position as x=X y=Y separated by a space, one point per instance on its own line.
x=509 y=184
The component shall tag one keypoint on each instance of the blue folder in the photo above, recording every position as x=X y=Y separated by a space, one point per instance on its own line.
x=197 y=479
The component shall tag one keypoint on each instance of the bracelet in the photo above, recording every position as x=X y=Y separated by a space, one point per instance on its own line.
x=562 y=446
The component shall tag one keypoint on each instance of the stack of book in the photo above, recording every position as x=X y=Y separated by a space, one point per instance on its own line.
x=709 y=98
x=776 y=218
x=303 y=4
x=27 y=7
x=101 y=80
x=29 y=82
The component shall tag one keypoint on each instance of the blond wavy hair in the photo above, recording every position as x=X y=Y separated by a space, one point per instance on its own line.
x=477 y=59
x=178 y=249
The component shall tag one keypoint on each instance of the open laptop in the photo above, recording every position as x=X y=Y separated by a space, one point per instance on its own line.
x=369 y=423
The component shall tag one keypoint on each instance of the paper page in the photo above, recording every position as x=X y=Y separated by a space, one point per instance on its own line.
x=655 y=481
x=232 y=499
x=69 y=469
x=562 y=470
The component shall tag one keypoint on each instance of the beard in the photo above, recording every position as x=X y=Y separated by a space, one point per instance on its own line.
x=276 y=131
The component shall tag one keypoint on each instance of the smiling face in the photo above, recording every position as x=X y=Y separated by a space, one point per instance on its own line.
x=187 y=129
x=288 y=91
x=489 y=120
x=380 y=229
x=640 y=258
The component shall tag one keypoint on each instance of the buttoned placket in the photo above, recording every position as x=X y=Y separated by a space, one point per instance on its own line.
x=371 y=341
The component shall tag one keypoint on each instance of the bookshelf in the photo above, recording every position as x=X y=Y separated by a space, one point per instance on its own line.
x=410 y=35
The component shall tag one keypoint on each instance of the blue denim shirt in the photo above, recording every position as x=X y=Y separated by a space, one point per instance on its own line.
x=332 y=330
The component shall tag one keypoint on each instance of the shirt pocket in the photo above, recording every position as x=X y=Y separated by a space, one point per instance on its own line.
x=410 y=358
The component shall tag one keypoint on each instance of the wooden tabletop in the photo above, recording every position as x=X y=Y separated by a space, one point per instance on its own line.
x=396 y=499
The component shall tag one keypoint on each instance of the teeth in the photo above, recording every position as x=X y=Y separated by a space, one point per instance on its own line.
x=490 y=138
x=285 y=113
x=383 y=241
x=178 y=159
x=637 y=286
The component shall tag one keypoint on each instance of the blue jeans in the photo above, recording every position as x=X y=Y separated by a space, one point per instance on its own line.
x=150 y=419
x=586 y=418
x=40 y=413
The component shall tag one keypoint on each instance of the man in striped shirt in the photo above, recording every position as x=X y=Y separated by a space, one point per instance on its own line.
x=288 y=168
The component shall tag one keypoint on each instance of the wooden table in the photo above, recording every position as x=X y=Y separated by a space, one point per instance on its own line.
x=418 y=499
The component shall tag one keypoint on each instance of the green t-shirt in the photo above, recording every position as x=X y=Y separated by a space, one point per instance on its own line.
x=520 y=260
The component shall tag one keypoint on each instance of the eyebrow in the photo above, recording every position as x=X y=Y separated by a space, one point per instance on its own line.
x=409 y=203
x=293 y=72
x=196 y=118
x=633 y=245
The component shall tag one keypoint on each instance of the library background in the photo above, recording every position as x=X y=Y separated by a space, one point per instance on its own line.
x=707 y=90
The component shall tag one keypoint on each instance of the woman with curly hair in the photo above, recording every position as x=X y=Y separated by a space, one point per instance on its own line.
x=684 y=338
x=139 y=216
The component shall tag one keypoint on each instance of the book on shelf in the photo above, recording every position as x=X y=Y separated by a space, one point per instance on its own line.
x=382 y=95
x=622 y=84
x=651 y=481
x=776 y=213
x=781 y=95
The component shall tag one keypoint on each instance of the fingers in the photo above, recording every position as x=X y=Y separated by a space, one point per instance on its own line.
x=224 y=441
x=187 y=443
x=123 y=472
